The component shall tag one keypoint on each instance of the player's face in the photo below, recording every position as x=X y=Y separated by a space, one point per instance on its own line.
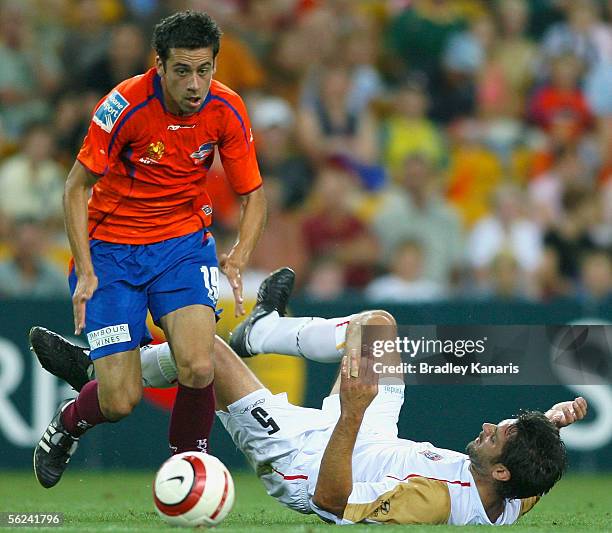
x=485 y=449
x=186 y=78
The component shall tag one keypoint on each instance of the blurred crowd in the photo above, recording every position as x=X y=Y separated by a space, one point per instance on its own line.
x=412 y=150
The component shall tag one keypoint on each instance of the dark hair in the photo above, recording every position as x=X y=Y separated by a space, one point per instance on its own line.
x=535 y=456
x=185 y=29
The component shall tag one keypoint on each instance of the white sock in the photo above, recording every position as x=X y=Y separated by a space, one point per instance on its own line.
x=158 y=366
x=314 y=338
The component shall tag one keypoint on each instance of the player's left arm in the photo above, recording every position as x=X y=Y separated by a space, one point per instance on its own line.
x=237 y=151
x=252 y=221
x=565 y=413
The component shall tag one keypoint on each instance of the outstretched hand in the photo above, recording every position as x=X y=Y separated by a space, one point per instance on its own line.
x=565 y=413
x=86 y=286
x=358 y=383
x=232 y=269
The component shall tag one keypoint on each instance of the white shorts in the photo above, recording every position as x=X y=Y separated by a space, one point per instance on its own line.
x=284 y=443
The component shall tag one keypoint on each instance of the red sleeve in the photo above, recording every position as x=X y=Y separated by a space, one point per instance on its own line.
x=103 y=135
x=237 y=150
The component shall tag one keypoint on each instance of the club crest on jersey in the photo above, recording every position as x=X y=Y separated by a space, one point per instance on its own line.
x=202 y=152
x=431 y=455
x=156 y=151
x=110 y=110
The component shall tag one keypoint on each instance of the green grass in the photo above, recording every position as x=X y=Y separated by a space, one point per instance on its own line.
x=121 y=501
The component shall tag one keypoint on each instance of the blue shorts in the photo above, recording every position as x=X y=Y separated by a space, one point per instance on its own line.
x=162 y=277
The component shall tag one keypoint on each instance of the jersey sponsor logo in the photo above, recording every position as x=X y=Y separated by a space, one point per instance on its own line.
x=109 y=335
x=174 y=127
x=203 y=151
x=207 y=210
x=110 y=110
x=249 y=407
x=433 y=456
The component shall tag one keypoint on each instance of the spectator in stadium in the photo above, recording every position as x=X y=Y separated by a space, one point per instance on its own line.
x=30 y=70
x=70 y=122
x=416 y=210
x=596 y=276
x=546 y=147
x=260 y=24
x=570 y=239
x=491 y=86
x=273 y=123
x=562 y=95
x=327 y=126
x=345 y=462
x=507 y=229
x=302 y=40
x=137 y=211
x=31 y=181
x=549 y=282
x=326 y=280
x=26 y=272
x=407 y=130
x=582 y=34
x=87 y=34
x=331 y=228
x=498 y=110
x=362 y=52
x=514 y=52
x=454 y=96
x=474 y=171
x=546 y=190
x=417 y=36
x=507 y=282
x=126 y=56
x=406 y=280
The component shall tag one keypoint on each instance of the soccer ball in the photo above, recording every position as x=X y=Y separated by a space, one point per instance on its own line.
x=193 y=489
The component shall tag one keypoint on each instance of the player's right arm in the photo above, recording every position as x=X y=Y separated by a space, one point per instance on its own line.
x=335 y=481
x=105 y=138
x=76 y=194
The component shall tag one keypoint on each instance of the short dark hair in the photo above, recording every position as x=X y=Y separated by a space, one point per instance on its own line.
x=535 y=456
x=186 y=29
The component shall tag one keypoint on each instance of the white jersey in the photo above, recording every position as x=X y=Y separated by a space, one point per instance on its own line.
x=395 y=480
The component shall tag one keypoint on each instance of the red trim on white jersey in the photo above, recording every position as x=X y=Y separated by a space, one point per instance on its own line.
x=456 y=482
x=290 y=478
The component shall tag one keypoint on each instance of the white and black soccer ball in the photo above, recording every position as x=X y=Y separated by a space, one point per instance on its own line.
x=193 y=489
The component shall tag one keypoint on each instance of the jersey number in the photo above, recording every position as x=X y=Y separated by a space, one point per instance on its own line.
x=211 y=281
x=265 y=420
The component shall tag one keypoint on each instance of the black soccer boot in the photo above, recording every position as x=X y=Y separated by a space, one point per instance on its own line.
x=272 y=295
x=54 y=450
x=60 y=357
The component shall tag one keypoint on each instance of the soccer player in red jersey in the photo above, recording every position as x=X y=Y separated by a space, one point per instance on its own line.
x=140 y=243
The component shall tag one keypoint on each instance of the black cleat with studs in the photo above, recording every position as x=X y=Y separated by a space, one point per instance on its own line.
x=273 y=295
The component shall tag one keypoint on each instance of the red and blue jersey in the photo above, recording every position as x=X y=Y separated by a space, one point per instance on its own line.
x=153 y=164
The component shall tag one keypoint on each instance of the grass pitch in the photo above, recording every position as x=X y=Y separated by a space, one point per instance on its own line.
x=121 y=501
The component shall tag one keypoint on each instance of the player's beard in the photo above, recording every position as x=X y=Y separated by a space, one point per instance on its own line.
x=473 y=454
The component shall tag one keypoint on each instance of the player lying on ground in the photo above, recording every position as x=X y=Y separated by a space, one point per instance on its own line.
x=345 y=461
